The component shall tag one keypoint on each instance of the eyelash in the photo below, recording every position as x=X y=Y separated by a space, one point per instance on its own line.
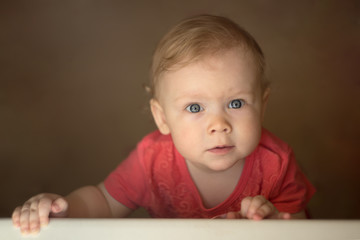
x=191 y=107
x=196 y=108
x=240 y=103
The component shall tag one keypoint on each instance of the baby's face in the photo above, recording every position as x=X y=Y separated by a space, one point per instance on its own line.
x=213 y=109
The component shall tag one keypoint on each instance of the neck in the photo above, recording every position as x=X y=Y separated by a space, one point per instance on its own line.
x=195 y=169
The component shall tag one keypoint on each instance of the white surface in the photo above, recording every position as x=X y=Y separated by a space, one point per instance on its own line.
x=173 y=229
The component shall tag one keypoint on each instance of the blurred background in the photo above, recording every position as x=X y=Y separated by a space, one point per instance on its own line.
x=72 y=103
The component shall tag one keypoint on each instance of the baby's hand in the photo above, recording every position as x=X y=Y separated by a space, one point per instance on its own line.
x=36 y=211
x=258 y=208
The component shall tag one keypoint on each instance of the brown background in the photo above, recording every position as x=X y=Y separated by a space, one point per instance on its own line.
x=72 y=103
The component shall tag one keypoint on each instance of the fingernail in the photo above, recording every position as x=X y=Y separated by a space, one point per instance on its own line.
x=257 y=217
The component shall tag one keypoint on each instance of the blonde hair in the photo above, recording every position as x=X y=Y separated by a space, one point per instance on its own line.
x=199 y=36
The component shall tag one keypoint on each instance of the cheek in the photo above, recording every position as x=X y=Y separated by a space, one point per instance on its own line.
x=249 y=128
x=186 y=143
x=249 y=118
x=254 y=135
x=186 y=135
x=183 y=123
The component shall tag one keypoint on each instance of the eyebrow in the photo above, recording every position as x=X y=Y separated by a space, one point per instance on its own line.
x=196 y=95
x=251 y=93
x=187 y=95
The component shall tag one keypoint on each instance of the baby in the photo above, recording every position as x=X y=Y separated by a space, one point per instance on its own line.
x=210 y=157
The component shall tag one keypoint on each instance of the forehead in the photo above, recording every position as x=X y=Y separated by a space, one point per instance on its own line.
x=222 y=72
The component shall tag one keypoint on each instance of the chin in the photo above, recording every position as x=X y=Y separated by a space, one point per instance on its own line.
x=220 y=167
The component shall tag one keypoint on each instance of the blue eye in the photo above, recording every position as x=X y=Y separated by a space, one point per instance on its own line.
x=237 y=103
x=194 y=108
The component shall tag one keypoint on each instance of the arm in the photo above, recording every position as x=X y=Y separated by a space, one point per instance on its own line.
x=116 y=209
x=85 y=202
x=95 y=202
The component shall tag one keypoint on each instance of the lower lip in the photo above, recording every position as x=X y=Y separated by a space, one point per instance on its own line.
x=221 y=151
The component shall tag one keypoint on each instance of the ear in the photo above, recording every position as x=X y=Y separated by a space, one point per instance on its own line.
x=159 y=116
x=265 y=99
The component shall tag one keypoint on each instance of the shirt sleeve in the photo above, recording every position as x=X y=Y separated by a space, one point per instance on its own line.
x=292 y=190
x=126 y=183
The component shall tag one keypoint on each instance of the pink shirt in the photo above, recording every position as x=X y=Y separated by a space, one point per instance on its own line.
x=155 y=176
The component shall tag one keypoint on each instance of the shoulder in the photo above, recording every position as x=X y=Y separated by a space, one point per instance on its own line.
x=272 y=145
x=154 y=146
x=155 y=140
x=273 y=153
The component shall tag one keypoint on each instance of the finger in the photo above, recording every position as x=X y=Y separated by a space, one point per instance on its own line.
x=256 y=203
x=24 y=218
x=44 y=211
x=245 y=204
x=265 y=210
x=16 y=217
x=34 y=224
x=59 y=208
x=284 y=215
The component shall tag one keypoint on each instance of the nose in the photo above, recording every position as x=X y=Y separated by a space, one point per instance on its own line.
x=219 y=124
